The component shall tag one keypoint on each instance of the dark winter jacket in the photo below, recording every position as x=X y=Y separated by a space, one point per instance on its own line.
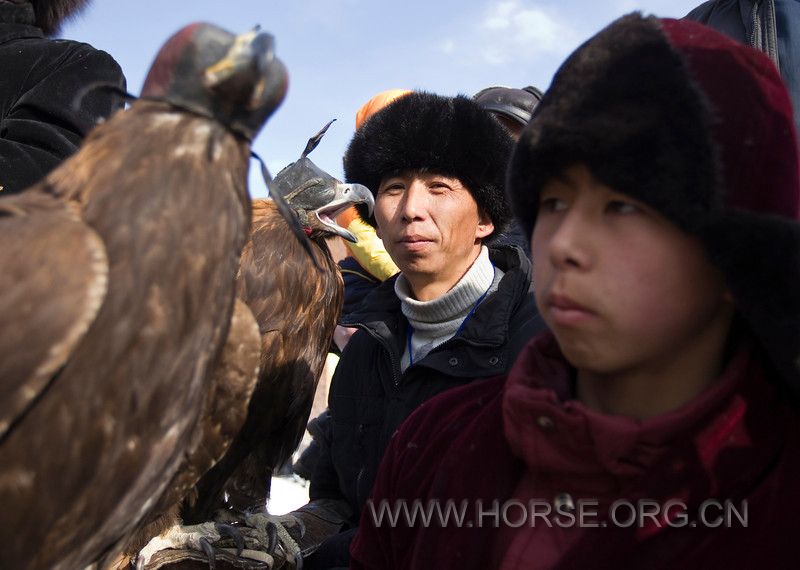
x=509 y=441
x=358 y=282
x=370 y=397
x=39 y=80
x=772 y=26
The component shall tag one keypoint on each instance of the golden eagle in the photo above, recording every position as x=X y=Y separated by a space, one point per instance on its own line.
x=296 y=308
x=117 y=283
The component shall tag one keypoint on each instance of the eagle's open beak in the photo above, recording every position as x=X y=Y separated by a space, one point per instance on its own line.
x=346 y=195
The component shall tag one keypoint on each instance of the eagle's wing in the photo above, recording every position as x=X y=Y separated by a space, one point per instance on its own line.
x=224 y=412
x=296 y=308
x=53 y=281
x=234 y=380
x=293 y=306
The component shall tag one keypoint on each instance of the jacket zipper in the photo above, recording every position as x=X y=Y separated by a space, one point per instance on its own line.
x=395 y=364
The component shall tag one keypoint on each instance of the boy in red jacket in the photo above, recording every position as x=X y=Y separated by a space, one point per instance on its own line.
x=657 y=425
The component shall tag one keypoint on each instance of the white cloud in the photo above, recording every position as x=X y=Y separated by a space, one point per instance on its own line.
x=522 y=30
x=499 y=16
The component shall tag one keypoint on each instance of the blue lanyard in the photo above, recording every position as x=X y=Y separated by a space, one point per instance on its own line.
x=460 y=327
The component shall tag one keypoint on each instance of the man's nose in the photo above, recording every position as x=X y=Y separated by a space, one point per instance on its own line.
x=415 y=201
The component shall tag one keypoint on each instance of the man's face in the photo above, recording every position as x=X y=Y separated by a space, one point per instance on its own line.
x=622 y=288
x=430 y=225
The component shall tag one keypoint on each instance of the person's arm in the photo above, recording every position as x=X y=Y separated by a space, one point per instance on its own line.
x=328 y=511
x=370 y=251
x=41 y=128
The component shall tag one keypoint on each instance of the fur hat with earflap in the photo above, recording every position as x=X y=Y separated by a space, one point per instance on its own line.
x=451 y=136
x=700 y=128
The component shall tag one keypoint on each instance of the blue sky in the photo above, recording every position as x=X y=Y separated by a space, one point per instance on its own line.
x=341 y=52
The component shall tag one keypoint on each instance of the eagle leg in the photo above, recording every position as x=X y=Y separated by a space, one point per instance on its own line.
x=224 y=530
x=195 y=537
x=284 y=530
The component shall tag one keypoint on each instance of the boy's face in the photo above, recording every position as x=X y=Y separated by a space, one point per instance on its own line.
x=622 y=288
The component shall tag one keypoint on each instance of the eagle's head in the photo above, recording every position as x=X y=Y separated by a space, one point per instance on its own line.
x=316 y=197
x=236 y=80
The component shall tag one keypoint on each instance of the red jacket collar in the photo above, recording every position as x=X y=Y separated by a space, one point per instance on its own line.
x=705 y=448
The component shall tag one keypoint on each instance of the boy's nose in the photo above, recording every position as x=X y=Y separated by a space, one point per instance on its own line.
x=569 y=247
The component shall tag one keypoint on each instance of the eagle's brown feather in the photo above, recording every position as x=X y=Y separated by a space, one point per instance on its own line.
x=233 y=382
x=296 y=308
x=166 y=193
x=49 y=302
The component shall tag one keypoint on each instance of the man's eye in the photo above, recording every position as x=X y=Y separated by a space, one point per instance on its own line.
x=622 y=207
x=552 y=204
x=391 y=189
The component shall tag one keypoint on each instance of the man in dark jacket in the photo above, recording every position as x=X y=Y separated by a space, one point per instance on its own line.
x=656 y=424
x=457 y=312
x=38 y=85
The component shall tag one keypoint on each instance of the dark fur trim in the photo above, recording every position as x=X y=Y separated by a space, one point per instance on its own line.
x=50 y=14
x=622 y=104
x=760 y=258
x=450 y=136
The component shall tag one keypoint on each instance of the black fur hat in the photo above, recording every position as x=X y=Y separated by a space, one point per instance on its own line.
x=50 y=14
x=700 y=128
x=450 y=136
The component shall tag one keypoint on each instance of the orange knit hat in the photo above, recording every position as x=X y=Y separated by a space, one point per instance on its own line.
x=377 y=103
x=368 y=109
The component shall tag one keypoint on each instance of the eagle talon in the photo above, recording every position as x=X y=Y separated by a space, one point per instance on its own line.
x=302 y=526
x=210 y=553
x=230 y=531
x=272 y=535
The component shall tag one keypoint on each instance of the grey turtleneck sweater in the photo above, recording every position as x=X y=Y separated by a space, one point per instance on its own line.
x=433 y=322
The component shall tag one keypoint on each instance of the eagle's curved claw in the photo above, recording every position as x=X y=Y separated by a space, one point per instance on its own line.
x=230 y=531
x=196 y=537
x=272 y=536
x=210 y=553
